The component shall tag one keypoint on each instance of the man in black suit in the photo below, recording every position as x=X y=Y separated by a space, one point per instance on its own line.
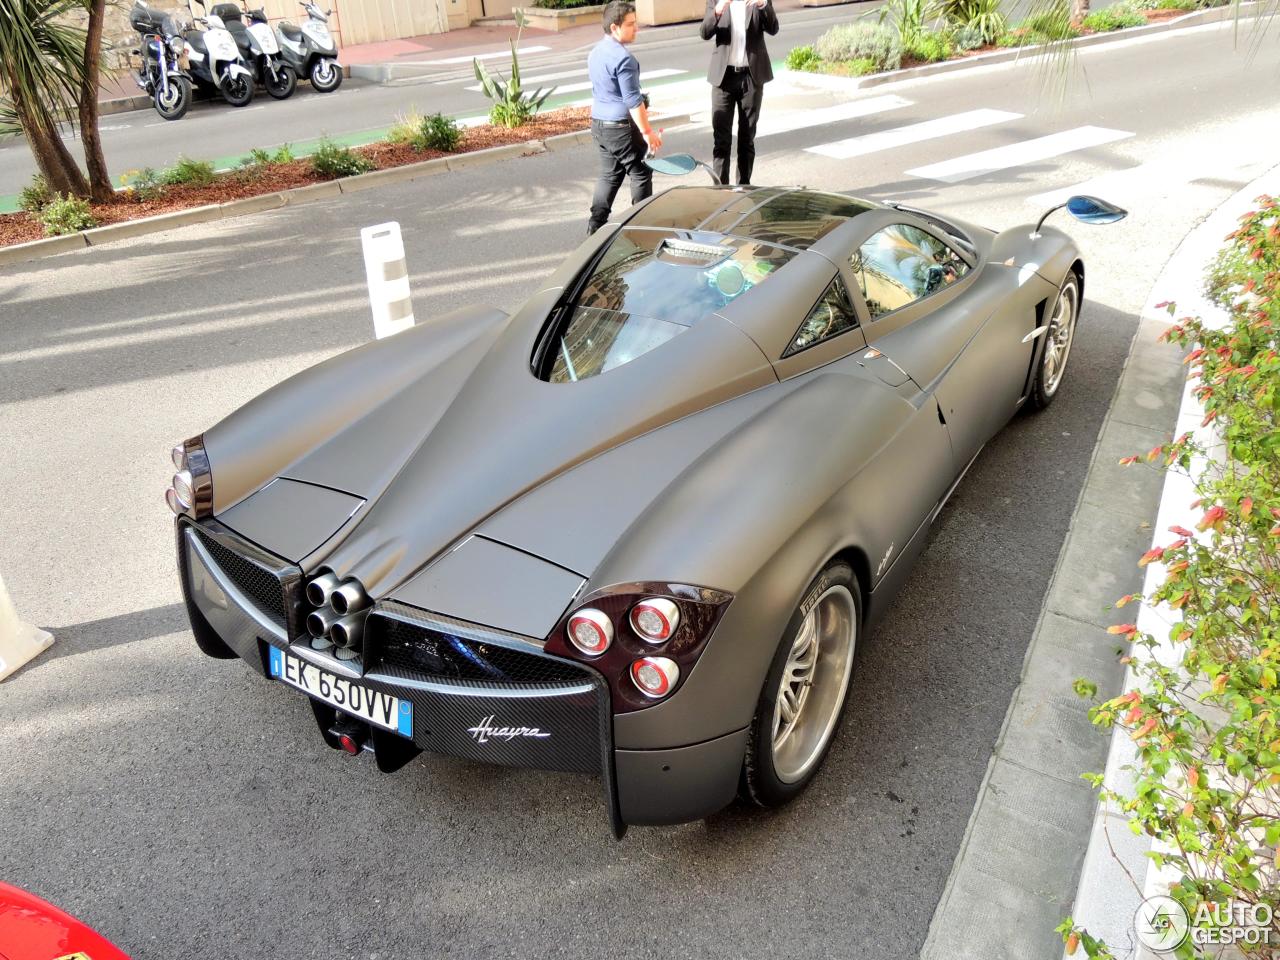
x=738 y=72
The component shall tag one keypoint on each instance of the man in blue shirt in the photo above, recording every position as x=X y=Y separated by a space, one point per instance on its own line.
x=619 y=118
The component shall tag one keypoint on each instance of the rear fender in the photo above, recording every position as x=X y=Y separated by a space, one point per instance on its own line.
x=759 y=515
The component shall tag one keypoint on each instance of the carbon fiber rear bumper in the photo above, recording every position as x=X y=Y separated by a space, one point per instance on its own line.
x=566 y=725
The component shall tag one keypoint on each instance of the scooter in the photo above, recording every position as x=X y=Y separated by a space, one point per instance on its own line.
x=259 y=49
x=158 y=71
x=311 y=50
x=216 y=63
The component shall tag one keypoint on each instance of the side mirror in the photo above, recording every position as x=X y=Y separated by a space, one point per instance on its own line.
x=1086 y=210
x=676 y=165
x=1094 y=210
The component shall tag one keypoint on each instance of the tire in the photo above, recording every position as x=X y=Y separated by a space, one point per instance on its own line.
x=175 y=104
x=285 y=83
x=783 y=755
x=324 y=75
x=1057 y=344
x=238 y=90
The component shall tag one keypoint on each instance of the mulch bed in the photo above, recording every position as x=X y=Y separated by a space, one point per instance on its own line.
x=236 y=185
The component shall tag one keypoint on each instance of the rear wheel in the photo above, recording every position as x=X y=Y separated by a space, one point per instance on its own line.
x=805 y=692
x=283 y=84
x=237 y=90
x=172 y=102
x=325 y=75
x=1057 y=343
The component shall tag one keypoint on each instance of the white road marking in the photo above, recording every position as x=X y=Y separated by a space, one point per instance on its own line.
x=793 y=120
x=1018 y=154
x=479 y=56
x=531 y=82
x=912 y=133
x=541 y=78
x=1224 y=157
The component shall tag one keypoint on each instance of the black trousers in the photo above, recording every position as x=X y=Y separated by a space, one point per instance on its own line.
x=621 y=149
x=736 y=90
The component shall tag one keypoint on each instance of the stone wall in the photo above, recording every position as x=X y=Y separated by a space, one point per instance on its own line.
x=118 y=37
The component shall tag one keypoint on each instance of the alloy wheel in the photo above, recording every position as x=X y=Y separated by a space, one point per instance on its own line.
x=1062 y=329
x=814 y=680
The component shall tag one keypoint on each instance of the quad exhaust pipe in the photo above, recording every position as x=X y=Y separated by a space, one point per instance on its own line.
x=338 y=620
x=321 y=589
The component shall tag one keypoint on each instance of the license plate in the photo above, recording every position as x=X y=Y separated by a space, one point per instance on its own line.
x=381 y=709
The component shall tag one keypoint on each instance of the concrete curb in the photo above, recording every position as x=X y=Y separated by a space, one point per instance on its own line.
x=1106 y=898
x=827 y=82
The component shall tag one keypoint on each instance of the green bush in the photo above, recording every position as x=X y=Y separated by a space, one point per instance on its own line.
x=861 y=40
x=186 y=170
x=35 y=196
x=929 y=48
x=803 y=58
x=1206 y=721
x=66 y=214
x=562 y=4
x=1176 y=5
x=406 y=126
x=438 y=132
x=333 y=160
x=1113 y=18
x=859 y=67
x=984 y=16
x=971 y=38
x=1014 y=38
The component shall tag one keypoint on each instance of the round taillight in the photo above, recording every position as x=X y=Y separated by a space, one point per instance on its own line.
x=655 y=619
x=171 y=499
x=591 y=631
x=179 y=456
x=655 y=677
x=182 y=487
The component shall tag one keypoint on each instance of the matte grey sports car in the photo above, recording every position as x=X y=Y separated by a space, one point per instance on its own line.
x=636 y=528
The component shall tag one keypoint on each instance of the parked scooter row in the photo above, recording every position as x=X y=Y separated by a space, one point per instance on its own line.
x=229 y=57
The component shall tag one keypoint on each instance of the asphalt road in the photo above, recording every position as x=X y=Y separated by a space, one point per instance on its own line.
x=188 y=808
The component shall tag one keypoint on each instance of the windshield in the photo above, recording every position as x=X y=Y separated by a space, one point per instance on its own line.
x=649 y=286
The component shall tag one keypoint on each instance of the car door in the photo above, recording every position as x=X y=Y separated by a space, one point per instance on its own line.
x=927 y=309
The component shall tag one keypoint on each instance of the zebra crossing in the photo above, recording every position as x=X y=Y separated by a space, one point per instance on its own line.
x=793 y=109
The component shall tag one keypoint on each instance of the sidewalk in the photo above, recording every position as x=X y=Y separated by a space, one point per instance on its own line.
x=495 y=36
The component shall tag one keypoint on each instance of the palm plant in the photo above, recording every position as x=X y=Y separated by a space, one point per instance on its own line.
x=48 y=72
x=909 y=19
x=511 y=105
x=982 y=16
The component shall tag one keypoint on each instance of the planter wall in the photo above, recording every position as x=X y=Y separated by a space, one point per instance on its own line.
x=558 y=20
x=651 y=13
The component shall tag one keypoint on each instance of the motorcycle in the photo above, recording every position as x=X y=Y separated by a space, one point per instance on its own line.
x=310 y=50
x=216 y=64
x=258 y=46
x=159 y=72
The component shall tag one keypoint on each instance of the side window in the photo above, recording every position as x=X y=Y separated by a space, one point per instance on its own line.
x=902 y=263
x=830 y=317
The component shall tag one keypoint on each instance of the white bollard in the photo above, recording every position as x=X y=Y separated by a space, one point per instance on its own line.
x=388 y=276
x=19 y=642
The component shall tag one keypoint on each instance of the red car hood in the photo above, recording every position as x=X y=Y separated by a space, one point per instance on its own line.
x=32 y=929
